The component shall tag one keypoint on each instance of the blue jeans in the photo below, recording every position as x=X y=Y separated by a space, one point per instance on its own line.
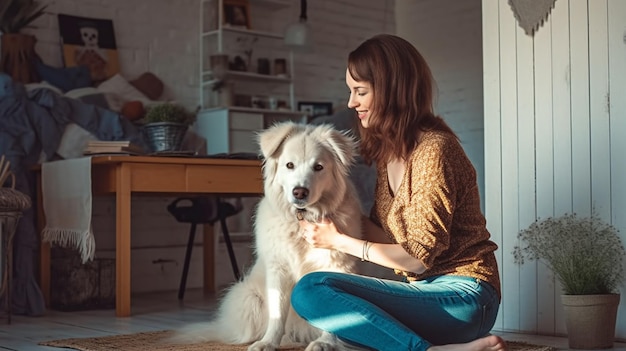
x=393 y=315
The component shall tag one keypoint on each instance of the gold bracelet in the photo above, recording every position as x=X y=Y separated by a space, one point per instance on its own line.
x=364 y=250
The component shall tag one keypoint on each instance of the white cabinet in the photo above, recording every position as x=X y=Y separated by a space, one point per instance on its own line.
x=228 y=131
x=235 y=102
x=233 y=130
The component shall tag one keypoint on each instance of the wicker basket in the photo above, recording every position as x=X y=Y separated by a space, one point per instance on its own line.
x=12 y=203
x=165 y=136
x=11 y=200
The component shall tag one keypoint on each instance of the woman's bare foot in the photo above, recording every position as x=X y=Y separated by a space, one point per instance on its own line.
x=488 y=343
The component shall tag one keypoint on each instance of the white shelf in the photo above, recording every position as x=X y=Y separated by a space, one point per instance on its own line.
x=209 y=79
x=243 y=31
x=271 y=4
x=285 y=113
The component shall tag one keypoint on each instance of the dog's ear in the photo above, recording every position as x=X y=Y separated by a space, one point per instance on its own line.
x=271 y=139
x=342 y=143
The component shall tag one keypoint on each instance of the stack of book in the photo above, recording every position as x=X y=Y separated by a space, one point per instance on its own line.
x=112 y=147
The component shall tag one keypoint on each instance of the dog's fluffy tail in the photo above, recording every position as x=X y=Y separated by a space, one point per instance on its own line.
x=241 y=318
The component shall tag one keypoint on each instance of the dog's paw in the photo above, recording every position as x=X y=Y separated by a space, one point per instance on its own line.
x=262 y=346
x=320 y=346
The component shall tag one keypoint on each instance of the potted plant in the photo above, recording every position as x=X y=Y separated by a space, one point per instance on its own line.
x=585 y=254
x=18 y=49
x=165 y=125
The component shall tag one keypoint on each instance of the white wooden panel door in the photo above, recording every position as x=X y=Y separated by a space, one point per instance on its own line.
x=562 y=141
x=544 y=166
x=579 y=60
x=555 y=138
x=525 y=130
x=509 y=141
x=617 y=119
x=599 y=108
x=492 y=130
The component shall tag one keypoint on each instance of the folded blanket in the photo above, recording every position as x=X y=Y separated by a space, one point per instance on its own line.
x=66 y=187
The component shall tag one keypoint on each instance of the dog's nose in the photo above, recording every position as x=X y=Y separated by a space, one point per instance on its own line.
x=300 y=193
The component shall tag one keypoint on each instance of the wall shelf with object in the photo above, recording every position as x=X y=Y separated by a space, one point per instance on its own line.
x=232 y=48
x=246 y=78
x=209 y=77
x=271 y=4
x=242 y=31
x=296 y=115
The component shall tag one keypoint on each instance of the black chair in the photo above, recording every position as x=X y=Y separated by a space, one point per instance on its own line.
x=204 y=210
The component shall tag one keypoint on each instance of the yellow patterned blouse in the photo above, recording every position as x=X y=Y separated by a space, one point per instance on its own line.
x=435 y=214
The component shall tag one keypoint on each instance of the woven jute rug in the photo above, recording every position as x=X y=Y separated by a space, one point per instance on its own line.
x=157 y=341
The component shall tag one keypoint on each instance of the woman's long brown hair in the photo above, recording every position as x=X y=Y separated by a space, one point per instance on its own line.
x=402 y=84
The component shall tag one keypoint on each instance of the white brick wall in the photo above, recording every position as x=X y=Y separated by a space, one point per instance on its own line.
x=448 y=33
x=157 y=36
x=337 y=28
x=162 y=36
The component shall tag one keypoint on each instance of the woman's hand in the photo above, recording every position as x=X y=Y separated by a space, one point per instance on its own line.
x=323 y=235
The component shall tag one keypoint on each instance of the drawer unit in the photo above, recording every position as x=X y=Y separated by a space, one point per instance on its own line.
x=225 y=131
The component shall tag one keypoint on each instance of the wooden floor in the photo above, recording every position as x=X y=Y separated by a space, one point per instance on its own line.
x=151 y=312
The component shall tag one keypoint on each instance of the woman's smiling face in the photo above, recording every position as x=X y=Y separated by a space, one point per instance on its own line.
x=361 y=98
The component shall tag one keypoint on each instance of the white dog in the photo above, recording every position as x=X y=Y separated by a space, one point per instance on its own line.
x=305 y=177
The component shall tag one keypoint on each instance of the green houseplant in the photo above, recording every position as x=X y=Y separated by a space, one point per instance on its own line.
x=586 y=255
x=17 y=52
x=165 y=125
x=17 y=14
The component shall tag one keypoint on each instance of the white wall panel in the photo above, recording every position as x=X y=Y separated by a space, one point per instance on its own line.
x=550 y=309
x=599 y=109
x=544 y=166
x=581 y=147
x=493 y=154
x=526 y=140
x=578 y=60
x=510 y=154
x=617 y=116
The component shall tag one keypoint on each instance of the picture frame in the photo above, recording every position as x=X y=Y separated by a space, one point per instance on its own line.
x=236 y=14
x=315 y=108
x=89 y=42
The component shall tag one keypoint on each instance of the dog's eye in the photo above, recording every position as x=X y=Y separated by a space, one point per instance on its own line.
x=318 y=167
x=289 y=165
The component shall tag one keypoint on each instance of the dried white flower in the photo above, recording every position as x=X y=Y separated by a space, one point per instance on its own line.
x=585 y=253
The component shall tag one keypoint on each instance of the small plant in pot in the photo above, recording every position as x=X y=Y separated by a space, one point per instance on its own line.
x=165 y=126
x=586 y=255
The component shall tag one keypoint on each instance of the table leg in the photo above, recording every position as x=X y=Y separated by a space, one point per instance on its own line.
x=208 y=251
x=44 y=247
x=122 y=241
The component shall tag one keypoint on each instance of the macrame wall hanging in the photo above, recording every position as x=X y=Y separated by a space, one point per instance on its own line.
x=531 y=14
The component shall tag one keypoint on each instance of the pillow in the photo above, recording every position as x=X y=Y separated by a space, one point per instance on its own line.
x=80 y=92
x=67 y=78
x=149 y=84
x=90 y=95
x=42 y=85
x=120 y=86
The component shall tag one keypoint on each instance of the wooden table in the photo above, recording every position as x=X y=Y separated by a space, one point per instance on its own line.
x=126 y=175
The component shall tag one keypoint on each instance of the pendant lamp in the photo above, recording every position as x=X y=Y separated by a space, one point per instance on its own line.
x=297 y=34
